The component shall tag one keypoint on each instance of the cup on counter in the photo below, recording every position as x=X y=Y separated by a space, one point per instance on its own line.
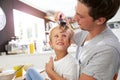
x=19 y=73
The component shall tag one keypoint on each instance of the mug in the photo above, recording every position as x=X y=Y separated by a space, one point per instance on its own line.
x=18 y=70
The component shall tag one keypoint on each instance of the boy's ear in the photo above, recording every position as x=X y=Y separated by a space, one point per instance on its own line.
x=50 y=43
x=71 y=41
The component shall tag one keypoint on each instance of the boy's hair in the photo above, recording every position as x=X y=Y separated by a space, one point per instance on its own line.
x=102 y=8
x=60 y=27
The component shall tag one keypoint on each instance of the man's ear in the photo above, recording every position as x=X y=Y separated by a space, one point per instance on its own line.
x=100 y=20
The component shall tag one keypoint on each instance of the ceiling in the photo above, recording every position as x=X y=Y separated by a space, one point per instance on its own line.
x=65 y=6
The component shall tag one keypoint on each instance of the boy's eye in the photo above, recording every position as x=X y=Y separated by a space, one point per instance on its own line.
x=56 y=36
x=64 y=35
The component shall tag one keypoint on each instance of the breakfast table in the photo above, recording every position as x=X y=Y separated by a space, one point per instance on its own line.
x=20 y=78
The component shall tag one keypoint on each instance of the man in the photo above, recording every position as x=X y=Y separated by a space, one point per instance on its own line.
x=98 y=49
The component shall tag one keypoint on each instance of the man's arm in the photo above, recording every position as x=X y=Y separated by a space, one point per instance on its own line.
x=115 y=77
x=86 y=77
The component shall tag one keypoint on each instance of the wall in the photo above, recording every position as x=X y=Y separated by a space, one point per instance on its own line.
x=8 y=31
x=116 y=17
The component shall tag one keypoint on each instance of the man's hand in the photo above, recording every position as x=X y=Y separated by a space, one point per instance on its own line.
x=59 y=15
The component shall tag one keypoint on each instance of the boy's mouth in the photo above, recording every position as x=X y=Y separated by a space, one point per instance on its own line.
x=60 y=43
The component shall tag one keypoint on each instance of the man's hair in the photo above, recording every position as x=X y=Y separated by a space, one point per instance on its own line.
x=102 y=8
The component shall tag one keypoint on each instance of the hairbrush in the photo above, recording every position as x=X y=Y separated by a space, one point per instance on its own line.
x=62 y=22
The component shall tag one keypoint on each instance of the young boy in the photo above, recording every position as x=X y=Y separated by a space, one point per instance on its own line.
x=65 y=65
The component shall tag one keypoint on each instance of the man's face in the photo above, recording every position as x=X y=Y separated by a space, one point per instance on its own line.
x=83 y=18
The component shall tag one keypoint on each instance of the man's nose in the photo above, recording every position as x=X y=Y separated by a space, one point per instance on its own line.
x=75 y=18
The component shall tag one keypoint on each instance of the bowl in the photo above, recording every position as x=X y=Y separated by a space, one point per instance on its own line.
x=7 y=75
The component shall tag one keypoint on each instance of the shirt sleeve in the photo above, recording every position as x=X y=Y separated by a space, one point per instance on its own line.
x=103 y=65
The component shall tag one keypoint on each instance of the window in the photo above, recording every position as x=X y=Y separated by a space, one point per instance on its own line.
x=29 y=28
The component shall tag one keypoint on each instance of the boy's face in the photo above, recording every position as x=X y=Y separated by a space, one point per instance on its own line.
x=60 y=39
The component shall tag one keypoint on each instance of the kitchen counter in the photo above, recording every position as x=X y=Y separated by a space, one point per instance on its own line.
x=38 y=60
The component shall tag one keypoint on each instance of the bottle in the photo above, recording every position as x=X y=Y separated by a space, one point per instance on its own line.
x=32 y=48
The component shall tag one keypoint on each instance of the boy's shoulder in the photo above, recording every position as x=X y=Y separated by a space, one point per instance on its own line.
x=71 y=58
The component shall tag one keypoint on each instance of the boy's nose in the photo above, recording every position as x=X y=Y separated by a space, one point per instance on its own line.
x=60 y=37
